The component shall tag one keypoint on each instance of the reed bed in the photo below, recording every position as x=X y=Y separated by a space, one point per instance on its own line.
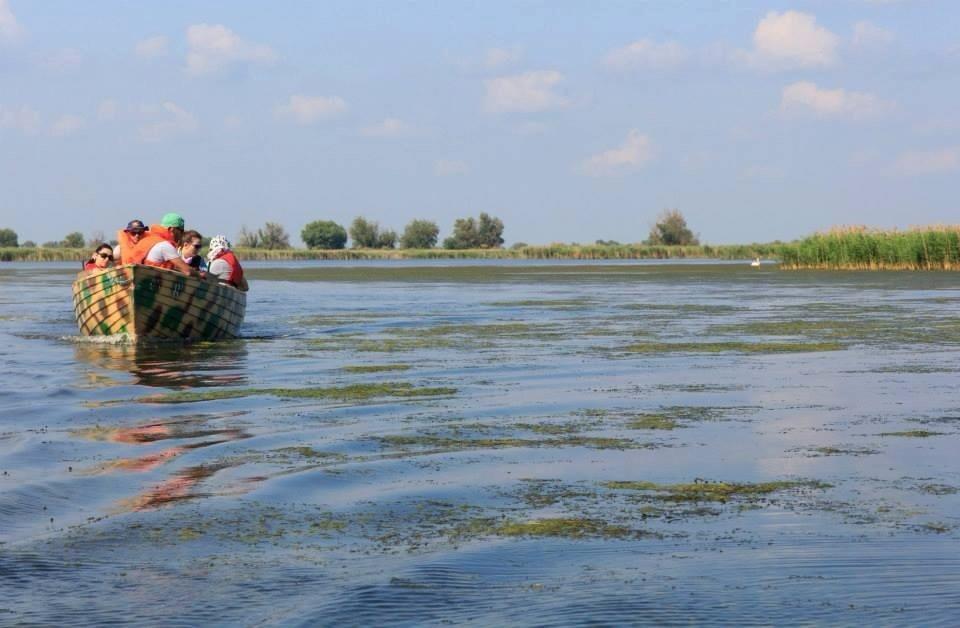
x=861 y=248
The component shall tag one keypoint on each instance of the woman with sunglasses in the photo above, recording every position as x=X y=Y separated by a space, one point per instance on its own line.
x=102 y=259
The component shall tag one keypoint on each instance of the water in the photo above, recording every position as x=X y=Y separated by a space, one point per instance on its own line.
x=434 y=442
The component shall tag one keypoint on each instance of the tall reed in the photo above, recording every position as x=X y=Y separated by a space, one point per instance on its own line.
x=860 y=248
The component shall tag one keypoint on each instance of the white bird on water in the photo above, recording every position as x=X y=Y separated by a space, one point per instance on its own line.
x=755 y=262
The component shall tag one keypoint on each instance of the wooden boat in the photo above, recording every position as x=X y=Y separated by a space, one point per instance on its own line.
x=145 y=302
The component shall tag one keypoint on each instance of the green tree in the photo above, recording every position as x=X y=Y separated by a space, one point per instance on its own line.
x=273 y=236
x=468 y=233
x=419 y=234
x=73 y=240
x=247 y=239
x=489 y=232
x=29 y=244
x=671 y=229
x=387 y=239
x=324 y=234
x=8 y=237
x=364 y=233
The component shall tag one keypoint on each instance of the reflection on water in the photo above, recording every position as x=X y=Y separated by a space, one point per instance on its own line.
x=626 y=443
x=168 y=365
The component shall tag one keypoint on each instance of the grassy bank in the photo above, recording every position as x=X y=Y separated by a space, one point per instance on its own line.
x=554 y=251
x=860 y=248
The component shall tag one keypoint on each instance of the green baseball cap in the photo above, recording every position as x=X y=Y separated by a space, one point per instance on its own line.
x=172 y=220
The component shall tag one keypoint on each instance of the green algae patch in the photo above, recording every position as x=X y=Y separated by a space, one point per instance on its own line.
x=352 y=392
x=938 y=489
x=731 y=347
x=454 y=444
x=714 y=491
x=546 y=303
x=814 y=452
x=571 y=528
x=375 y=368
x=913 y=434
x=653 y=422
x=685 y=308
x=552 y=428
x=308 y=453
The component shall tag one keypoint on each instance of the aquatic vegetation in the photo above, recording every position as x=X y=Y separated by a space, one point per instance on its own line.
x=705 y=490
x=840 y=451
x=572 y=528
x=654 y=422
x=550 y=303
x=454 y=443
x=938 y=489
x=351 y=392
x=685 y=308
x=913 y=434
x=375 y=368
x=730 y=347
x=860 y=248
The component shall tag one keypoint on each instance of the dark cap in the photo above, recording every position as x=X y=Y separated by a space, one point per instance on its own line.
x=135 y=226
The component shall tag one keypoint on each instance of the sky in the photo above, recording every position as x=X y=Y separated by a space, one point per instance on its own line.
x=570 y=121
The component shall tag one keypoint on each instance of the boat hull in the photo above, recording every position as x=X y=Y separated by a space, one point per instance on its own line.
x=145 y=302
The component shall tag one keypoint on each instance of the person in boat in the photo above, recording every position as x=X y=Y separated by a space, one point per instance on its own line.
x=190 y=250
x=102 y=259
x=127 y=239
x=223 y=264
x=158 y=246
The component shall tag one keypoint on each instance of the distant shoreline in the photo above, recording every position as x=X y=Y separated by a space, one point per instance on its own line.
x=562 y=251
x=843 y=248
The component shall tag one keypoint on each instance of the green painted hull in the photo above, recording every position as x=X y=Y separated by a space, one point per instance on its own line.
x=145 y=302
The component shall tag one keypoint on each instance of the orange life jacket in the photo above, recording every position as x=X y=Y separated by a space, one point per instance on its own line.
x=131 y=253
x=236 y=271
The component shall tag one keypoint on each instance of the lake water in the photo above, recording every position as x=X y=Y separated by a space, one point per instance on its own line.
x=491 y=443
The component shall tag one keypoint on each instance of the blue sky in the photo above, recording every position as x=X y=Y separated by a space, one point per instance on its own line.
x=571 y=121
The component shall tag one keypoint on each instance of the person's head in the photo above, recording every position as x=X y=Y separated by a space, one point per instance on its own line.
x=174 y=222
x=136 y=229
x=219 y=244
x=192 y=241
x=103 y=255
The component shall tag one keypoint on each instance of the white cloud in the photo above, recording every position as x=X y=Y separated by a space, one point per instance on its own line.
x=66 y=124
x=10 y=29
x=165 y=120
x=391 y=127
x=791 y=40
x=107 y=110
x=23 y=119
x=309 y=109
x=633 y=154
x=646 y=54
x=499 y=57
x=152 y=47
x=214 y=47
x=929 y=161
x=806 y=97
x=449 y=167
x=528 y=92
x=869 y=35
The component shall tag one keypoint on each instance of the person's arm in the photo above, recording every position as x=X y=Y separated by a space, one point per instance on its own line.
x=183 y=267
x=244 y=286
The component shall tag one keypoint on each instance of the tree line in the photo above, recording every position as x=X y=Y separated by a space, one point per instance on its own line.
x=483 y=232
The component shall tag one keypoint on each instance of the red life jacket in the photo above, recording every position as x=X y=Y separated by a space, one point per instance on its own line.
x=236 y=271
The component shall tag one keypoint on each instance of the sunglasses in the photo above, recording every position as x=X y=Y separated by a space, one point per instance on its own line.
x=105 y=256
